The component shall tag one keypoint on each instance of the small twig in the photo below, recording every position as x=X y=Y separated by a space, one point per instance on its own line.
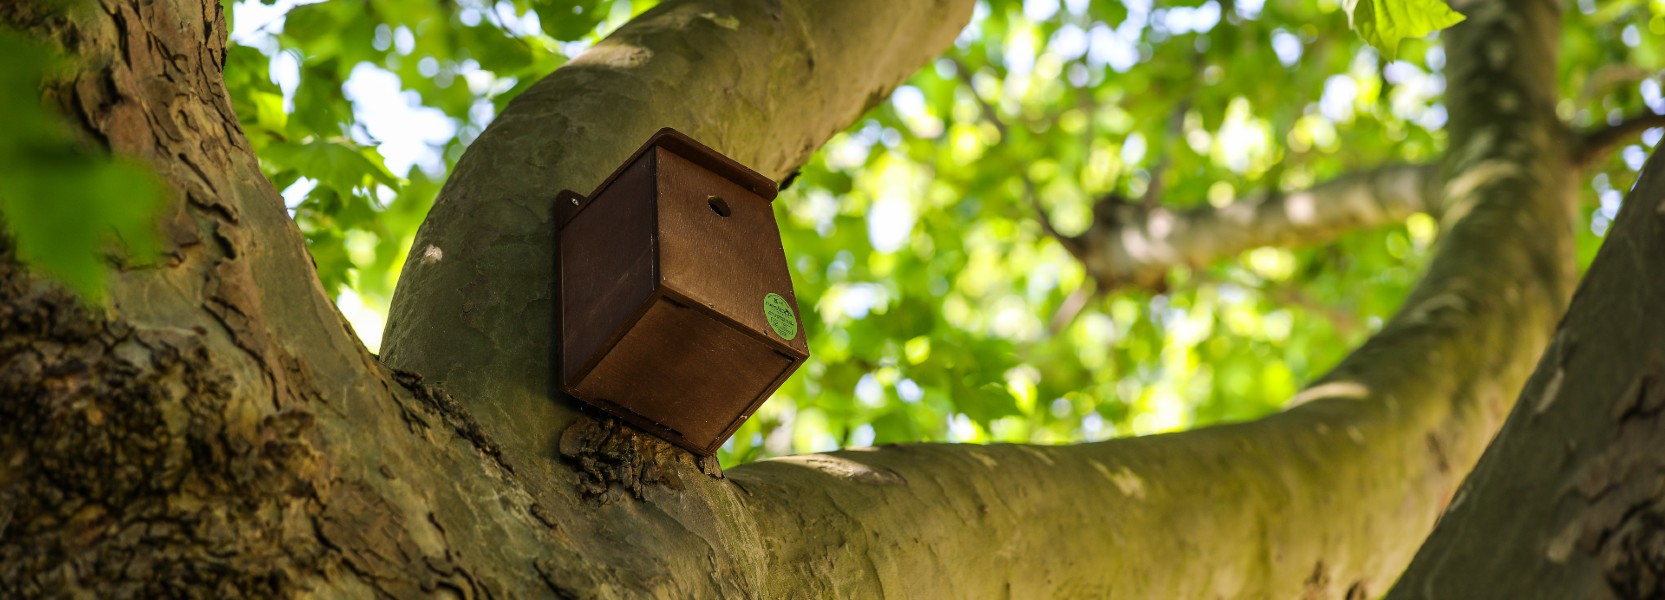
x=1344 y=322
x=989 y=112
x=1071 y=308
x=1287 y=294
x=1609 y=76
x=993 y=117
x=1069 y=243
x=1595 y=143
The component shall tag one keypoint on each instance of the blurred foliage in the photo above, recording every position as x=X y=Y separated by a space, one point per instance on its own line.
x=936 y=306
x=68 y=208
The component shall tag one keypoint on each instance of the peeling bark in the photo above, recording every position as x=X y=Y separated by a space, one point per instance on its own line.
x=125 y=474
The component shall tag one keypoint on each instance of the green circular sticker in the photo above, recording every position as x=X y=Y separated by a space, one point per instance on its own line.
x=779 y=313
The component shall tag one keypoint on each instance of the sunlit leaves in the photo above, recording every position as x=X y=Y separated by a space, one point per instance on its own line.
x=357 y=199
x=69 y=210
x=935 y=305
x=1384 y=23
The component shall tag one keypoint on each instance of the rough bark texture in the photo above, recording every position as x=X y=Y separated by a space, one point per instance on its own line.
x=1569 y=501
x=219 y=429
x=1136 y=247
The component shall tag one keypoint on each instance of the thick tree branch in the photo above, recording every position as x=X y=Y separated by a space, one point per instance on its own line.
x=1397 y=425
x=1394 y=429
x=218 y=429
x=1132 y=247
x=1596 y=143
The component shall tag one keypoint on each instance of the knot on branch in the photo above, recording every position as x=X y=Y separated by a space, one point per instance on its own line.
x=608 y=453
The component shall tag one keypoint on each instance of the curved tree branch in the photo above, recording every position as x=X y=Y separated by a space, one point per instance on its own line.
x=1132 y=247
x=1595 y=143
x=764 y=83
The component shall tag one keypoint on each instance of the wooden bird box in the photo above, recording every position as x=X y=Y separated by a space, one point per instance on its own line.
x=676 y=307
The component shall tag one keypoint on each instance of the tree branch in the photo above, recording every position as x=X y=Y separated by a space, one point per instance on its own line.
x=1131 y=247
x=1596 y=143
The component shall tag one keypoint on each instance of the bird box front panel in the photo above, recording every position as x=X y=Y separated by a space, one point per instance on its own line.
x=720 y=247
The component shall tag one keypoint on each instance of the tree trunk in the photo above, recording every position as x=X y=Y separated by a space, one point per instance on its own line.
x=1568 y=502
x=219 y=429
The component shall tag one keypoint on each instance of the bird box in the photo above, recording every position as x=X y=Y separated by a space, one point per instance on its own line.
x=676 y=308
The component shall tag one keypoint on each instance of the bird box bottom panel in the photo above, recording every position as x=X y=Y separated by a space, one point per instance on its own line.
x=684 y=374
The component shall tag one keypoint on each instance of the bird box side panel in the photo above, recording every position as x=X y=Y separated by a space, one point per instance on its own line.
x=720 y=247
x=684 y=375
x=608 y=267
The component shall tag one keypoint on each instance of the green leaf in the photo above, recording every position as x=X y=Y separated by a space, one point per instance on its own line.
x=67 y=210
x=1383 y=23
x=895 y=427
x=336 y=162
x=568 y=20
